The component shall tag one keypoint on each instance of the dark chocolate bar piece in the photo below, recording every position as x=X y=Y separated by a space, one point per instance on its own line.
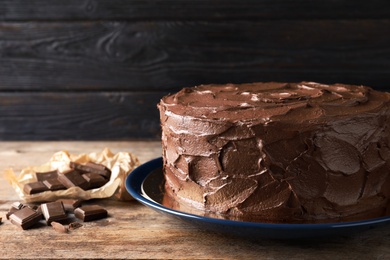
x=53 y=211
x=90 y=212
x=41 y=176
x=72 y=178
x=25 y=218
x=14 y=207
x=91 y=167
x=54 y=184
x=70 y=204
x=94 y=180
x=35 y=187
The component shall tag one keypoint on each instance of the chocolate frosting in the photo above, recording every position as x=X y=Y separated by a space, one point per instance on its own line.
x=279 y=152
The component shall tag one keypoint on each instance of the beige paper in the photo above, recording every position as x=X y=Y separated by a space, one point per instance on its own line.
x=120 y=164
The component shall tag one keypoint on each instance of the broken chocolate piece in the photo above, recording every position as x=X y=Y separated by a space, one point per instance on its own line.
x=59 y=227
x=14 y=207
x=25 y=218
x=90 y=212
x=94 y=180
x=35 y=187
x=72 y=178
x=91 y=167
x=54 y=184
x=53 y=211
x=41 y=176
x=70 y=204
x=74 y=225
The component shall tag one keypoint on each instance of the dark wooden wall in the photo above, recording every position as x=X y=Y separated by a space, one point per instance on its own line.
x=95 y=69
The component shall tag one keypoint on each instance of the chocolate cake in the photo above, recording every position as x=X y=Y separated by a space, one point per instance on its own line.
x=278 y=152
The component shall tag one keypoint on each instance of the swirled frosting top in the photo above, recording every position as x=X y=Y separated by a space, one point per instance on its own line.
x=271 y=101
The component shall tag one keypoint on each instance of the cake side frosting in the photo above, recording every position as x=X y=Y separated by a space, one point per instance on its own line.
x=283 y=152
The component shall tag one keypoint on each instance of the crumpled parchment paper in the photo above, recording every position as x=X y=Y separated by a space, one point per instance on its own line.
x=121 y=164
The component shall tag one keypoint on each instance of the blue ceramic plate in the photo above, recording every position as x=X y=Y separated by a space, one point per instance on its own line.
x=145 y=184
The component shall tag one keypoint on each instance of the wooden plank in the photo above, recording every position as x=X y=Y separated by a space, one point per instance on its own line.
x=165 y=56
x=196 y=9
x=79 y=116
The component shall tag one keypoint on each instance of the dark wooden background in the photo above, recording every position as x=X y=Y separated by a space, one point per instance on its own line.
x=95 y=69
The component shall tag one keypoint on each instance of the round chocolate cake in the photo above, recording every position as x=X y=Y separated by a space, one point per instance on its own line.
x=279 y=152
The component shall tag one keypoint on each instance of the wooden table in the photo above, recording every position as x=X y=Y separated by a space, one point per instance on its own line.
x=135 y=231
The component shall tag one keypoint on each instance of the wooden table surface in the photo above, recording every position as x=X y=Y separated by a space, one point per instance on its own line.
x=135 y=231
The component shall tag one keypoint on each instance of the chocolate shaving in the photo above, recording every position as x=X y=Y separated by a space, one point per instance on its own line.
x=59 y=227
x=74 y=225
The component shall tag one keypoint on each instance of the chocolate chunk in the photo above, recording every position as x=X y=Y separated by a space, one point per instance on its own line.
x=72 y=178
x=90 y=212
x=94 y=180
x=41 y=176
x=74 y=225
x=14 y=207
x=25 y=218
x=59 y=227
x=35 y=187
x=70 y=204
x=53 y=211
x=54 y=184
x=91 y=167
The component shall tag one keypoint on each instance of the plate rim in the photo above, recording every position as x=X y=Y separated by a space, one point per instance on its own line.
x=136 y=178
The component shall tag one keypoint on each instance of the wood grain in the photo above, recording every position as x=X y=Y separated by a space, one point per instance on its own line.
x=168 y=55
x=113 y=60
x=196 y=9
x=134 y=231
x=79 y=116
